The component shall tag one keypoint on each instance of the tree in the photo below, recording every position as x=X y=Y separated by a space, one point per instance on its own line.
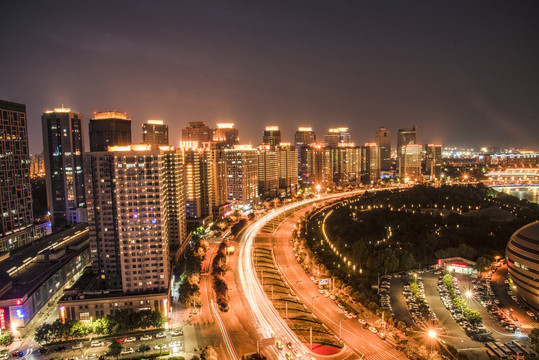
x=43 y=334
x=115 y=349
x=209 y=353
x=482 y=264
x=472 y=316
x=6 y=339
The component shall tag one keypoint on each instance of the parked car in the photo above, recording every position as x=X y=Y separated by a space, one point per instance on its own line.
x=160 y=335
x=176 y=332
x=145 y=337
x=127 y=351
x=96 y=343
x=130 y=339
x=77 y=346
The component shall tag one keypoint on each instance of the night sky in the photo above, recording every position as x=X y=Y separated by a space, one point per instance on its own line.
x=465 y=72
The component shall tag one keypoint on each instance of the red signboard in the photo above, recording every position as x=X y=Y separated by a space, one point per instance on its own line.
x=3 y=319
x=459 y=264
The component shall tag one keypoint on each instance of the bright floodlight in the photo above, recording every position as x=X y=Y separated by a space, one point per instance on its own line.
x=432 y=334
x=468 y=294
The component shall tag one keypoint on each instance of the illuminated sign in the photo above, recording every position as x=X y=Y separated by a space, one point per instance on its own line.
x=459 y=264
x=20 y=313
x=3 y=319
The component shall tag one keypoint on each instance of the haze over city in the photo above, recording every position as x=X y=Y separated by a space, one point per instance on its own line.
x=464 y=73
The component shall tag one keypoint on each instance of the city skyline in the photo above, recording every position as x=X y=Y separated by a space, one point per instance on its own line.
x=464 y=79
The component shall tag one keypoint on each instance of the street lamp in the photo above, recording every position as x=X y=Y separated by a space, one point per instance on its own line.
x=432 y=334
x=314 y=307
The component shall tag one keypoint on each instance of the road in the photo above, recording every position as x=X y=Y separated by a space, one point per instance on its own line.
x=359 y=342
x=268 y=323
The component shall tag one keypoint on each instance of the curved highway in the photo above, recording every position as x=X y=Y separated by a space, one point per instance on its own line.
x=268 y=322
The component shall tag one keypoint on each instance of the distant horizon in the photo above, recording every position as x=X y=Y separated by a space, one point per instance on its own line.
x=136 y=133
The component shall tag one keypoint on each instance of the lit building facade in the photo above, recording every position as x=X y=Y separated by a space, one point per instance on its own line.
x=433 y=161
x=109 y=128
x=304 y=136
x=37 y=165
x=410 y=162
x=197 y=132
x=336 y=136
x=268 y=171
x=155 y=133
x=226 y=136
x=272 y=136
x=383 y=140
x=242 y=175
x=63 y=149
x=371 y=163
x=523 y=262
x=288 y=168
x=16 y=222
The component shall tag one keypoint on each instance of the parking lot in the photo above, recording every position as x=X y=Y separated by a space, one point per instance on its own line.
x=149 y=342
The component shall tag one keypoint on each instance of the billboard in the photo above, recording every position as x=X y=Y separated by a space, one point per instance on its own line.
x=3 y=318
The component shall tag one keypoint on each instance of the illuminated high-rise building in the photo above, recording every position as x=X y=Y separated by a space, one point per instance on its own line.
x=226 y=136
x=198 y=132
x=407 y=137
x=433 y=161
x=410 y=162
x=242 y=174
x=16 y=222
x=268 y=170
x=37 y=165
x=288 y=167
x=109 y=128
x=304 y=136
x=205 y=181
x=63 y=149
x=371 y=163
x=345 y=163
x=155 y=133
x=135 y=207
x=337 y=136
x=383 y=140
x=272 y=136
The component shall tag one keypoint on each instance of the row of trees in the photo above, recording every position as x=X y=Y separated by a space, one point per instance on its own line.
x=122 y=321
x=472 y=316
x=189 y=288
x=219 y=269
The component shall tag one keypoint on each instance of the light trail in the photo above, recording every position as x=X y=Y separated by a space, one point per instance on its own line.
x=224 y=332
x=268 y=322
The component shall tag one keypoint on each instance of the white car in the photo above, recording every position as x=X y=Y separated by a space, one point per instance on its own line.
x=97 y=343
x=296 y=353
x=127 y=351
x=176 y=333
x=4 y=356
x=160 y=335
x=372 y=329
x=332 y=297
x=146 y=337
x=131 y=339
x=362 y=321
